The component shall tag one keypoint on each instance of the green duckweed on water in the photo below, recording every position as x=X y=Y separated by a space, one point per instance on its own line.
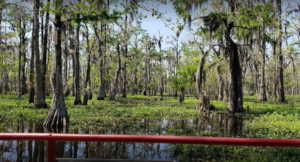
x=149 y=115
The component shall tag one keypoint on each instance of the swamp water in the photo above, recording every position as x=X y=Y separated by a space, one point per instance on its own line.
x=211 y=125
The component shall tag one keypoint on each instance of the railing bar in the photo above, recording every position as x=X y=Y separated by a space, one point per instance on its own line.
x=152 y=139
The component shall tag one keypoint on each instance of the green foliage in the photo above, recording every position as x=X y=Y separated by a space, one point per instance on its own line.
x=269 y=120
x=235 y=153
x=185 y=77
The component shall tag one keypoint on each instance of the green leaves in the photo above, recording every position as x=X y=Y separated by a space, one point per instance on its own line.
x=185 y=77
x=254 y=24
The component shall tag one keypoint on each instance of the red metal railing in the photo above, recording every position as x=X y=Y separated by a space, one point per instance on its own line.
x=53 y=137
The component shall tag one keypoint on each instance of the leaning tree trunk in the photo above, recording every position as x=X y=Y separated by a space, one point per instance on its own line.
x=39 y=101
x=58 y=116
x=199 y=74
x=77 y=66
x=235 y=102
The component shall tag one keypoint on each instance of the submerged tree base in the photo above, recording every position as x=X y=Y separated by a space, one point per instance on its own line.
x=44 y=105
x=77 y=102
x=204 y=105
x=100 y=98
x=58 y=116
x=240 y=110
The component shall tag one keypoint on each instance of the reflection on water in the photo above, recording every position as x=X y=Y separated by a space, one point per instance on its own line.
x=212 y=125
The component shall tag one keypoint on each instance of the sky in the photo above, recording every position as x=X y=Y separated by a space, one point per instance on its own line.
x=154 y=25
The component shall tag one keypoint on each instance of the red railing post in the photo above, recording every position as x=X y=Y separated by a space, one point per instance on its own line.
x=51 y=150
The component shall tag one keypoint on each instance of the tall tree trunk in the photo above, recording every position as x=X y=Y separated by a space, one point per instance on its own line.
x=149 y=78
x=23 y=53
x=0 y=25
x=39 y=100
x=73 y=64
x=3 y=73
x=87 y=80
x=257 y=88
x=175 y=67
x=66 y=53
x=24 y=85
x=124 y=74
x=101 y=94
x=31 y=73
x=225 y=76
x=281 y=97
x=6 y=88
x=114 y=84
x=19 y=76
x=181 y=95
x=44 y=61
x=135 y=90
x=125 y=56
x=161 y=70
x=106 y=84
x=267 y=91
x=294 y=79
x=262 y=91
x=221 y=84
x=20 y=59
x=275 y=79
x=235 y=103
x=145 y=86
x=161 y=78
x=77 y=66
x=58 y=116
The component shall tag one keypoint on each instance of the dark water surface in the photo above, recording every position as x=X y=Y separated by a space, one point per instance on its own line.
x=212 y=125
